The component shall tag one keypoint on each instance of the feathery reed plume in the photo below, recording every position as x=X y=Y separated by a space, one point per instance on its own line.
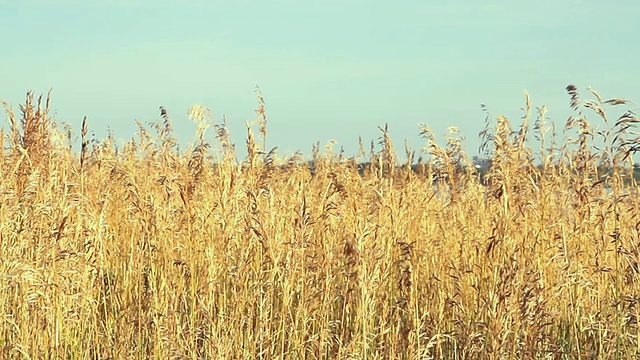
x=387 y=156
x=84 y=143
x=262 y=116
x=575 y=98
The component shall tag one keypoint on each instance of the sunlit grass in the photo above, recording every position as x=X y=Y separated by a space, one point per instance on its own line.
x=142 y=251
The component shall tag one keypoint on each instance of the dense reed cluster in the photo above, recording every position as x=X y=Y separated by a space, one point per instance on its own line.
x=139 y=250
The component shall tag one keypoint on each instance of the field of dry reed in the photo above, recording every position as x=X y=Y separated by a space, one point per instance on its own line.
x=140 y=251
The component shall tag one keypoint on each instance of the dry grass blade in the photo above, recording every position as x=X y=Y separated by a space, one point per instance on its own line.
x=616 y=102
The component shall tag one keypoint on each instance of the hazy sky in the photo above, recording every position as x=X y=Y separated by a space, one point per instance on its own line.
x=328 y=69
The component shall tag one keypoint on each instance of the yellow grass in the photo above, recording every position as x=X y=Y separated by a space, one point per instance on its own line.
x=147 y=252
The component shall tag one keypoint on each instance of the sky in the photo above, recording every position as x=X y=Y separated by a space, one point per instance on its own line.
x=328 y=69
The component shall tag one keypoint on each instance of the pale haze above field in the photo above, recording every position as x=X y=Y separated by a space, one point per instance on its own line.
x=328 y=70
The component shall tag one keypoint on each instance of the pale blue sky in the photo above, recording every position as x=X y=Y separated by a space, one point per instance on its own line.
x=328 y=69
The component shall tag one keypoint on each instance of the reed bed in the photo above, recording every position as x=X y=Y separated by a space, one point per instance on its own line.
x=139 y=250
